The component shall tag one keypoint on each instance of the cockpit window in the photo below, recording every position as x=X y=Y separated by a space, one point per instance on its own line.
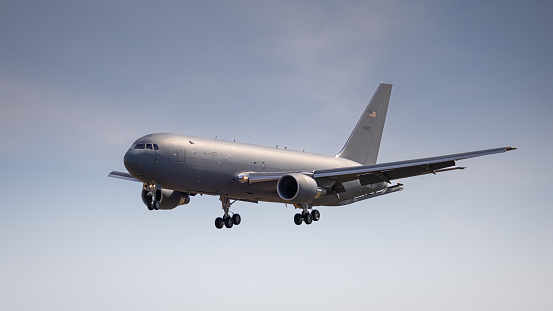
x=146 y=146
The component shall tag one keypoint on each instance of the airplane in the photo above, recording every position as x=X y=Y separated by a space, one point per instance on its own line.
x=174 y=167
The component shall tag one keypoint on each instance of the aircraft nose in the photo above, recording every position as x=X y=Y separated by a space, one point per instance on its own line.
x=132 y=162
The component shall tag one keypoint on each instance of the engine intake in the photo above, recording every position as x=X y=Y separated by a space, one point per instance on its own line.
x=168 y=199
x=298 y=188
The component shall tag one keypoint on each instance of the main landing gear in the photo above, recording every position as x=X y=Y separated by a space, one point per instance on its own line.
x=227 y=220
x=306 y=216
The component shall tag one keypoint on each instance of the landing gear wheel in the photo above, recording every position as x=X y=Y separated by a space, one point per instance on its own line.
x=298 y=219
x=307 y=218
x=228 y=222
x=219 y=223
x=316 y=215
x=236 y=219
x=154 y=205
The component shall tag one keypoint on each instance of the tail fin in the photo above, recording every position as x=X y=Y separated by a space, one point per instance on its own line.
x=364 y=142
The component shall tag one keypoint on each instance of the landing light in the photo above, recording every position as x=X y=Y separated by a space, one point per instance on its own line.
x=243 y=177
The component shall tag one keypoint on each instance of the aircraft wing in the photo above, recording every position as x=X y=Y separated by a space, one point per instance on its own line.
x=121 y=175
x=394 y=170
x=386 y=171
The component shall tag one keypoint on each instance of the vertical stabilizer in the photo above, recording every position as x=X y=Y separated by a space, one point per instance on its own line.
x=364 y=142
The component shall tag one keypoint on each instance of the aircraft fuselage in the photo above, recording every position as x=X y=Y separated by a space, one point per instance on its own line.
x=208 y=166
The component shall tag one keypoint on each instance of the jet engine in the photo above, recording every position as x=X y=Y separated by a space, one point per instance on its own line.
x=168 y=199
x=298 y=188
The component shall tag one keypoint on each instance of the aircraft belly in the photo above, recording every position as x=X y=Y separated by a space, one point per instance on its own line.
x=198 y=177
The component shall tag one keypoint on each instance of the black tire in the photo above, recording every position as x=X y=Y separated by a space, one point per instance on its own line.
x=236 y=219
x=308 y=218
x=157 y=205
x=316 y=215
x=228 y=222
x=298 y=219
x=151 y=205
x=219 y=223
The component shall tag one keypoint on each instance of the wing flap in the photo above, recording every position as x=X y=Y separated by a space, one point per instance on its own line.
x=403 y=172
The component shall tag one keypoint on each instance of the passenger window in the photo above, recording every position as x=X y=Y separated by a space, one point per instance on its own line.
x=156 y=147
x=139 y=146
x=149 y=147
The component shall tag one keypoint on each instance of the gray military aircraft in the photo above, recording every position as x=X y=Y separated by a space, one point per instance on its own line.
x=175 y=167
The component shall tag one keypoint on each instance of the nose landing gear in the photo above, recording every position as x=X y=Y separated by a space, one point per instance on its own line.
x=151 y=196
x=227 y=220
x=154 y=205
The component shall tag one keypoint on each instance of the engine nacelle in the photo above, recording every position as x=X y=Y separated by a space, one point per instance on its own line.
x=168 y=199
x=298 y=188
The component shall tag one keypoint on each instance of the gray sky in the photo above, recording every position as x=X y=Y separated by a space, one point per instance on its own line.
x=80 y=81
